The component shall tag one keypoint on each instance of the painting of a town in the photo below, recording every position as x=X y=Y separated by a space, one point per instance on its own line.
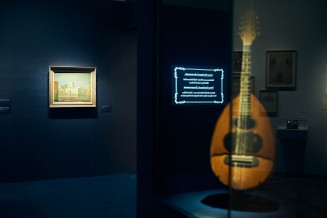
x=72 y=87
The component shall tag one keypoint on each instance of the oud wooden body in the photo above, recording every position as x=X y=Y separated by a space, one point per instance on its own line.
x=243 y=177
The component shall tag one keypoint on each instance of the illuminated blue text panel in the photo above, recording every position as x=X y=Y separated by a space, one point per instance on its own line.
x=198 y=86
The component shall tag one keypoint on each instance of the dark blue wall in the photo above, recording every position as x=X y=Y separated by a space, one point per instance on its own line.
x=38 y=143
x=193 y=37
x=173 y=142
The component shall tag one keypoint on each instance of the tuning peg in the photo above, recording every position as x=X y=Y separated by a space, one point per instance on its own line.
x=257 y=17
x=258 y=33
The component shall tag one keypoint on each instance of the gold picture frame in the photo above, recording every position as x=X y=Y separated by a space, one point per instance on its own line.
x=72 y=87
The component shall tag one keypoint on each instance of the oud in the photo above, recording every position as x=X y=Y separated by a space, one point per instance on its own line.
x=242 y=148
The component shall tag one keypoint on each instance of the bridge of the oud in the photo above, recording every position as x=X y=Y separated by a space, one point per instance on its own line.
x=241 y=160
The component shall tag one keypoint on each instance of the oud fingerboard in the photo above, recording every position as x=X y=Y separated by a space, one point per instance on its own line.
x=245 y=83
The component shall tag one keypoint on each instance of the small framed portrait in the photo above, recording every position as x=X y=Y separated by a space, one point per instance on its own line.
x=269 y=100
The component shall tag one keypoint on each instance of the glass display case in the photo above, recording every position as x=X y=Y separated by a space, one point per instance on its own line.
x=260 y=152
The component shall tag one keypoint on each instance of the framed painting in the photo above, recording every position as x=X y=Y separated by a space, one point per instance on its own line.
x=281 y=70
x=269 y=100
x=72 y=87
x=237 y=62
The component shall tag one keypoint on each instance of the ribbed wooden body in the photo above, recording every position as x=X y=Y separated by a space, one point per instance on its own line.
x=243 y=178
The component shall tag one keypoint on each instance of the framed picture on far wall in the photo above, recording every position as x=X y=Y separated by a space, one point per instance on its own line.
x=281 y=70
x=237 y=62
x=269 y=100
x=72 y=87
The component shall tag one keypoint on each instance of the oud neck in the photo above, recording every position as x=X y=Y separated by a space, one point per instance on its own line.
x=245 y=84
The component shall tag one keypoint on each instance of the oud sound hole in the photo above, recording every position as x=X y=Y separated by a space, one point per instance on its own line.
x=248 y=142
x=245 y=122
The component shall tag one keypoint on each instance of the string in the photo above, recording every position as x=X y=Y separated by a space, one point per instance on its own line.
x=244 y=107
x=244 y=110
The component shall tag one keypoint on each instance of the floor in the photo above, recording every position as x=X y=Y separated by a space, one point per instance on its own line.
x=106 y=196
x=282 y=196
x=115 y=197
